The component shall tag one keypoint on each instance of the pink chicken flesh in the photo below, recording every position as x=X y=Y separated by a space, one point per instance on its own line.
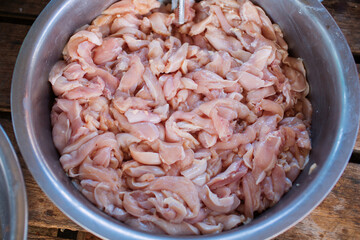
x=181 y=129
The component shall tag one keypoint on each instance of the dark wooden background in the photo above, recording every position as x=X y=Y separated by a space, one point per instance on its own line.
x=337 y=217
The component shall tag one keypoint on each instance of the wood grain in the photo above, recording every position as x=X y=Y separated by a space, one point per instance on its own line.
x=347 y=16
x=35 y=233
x=357 y=143
x=30 y=8
x=337 y=217
x=10 y=44
x=42 y=233
x=86 y=236
x=327 y=221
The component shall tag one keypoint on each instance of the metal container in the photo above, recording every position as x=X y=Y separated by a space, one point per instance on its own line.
x=13 y=203
x=312 y=35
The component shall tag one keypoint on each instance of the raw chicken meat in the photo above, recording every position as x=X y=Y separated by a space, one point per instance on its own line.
x=181 y=129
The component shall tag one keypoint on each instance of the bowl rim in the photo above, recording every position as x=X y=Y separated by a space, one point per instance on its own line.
x=24 y=132
x=15 y=190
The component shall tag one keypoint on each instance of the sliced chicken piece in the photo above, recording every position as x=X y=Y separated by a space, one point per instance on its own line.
x=220 y=64
x=72 y=108
x=220 y=205
x=111 y=82
x=132 y=78
x=233 y=173
x=129 y=31
x=181 y=186
x=221 y=42
x=141 y=154
x=80 y=47
x=171 y=152
x=108 y=50
x=135 y=116
x=61 y=132
x=248 y=12
x=200 y=27
x=128 y=20
x=221 y=18
x=183 y=228
x=265 y=156
x=76 y=157
x=209 y=80
x=175 y=60
x=132 y=6
x=73 y=71
x=172 y=85
x=133 y=43
x=160 y=23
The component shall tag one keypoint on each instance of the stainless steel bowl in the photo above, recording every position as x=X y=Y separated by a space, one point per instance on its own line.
x=13 y=204
x=312 y=35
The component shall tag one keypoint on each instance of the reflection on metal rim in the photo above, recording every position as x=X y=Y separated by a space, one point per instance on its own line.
x=13 y=203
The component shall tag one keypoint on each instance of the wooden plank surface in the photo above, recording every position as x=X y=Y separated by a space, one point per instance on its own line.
x=357 y=143
x=336 y=218
x=30 y=8
x=10 y=44
x=347 y=16
x=42 y=233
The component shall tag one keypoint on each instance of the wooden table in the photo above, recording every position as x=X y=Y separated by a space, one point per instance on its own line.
x=337 y=217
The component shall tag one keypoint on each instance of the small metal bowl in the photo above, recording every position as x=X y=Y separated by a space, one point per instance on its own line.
x=312 y=34
x=13 y=203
